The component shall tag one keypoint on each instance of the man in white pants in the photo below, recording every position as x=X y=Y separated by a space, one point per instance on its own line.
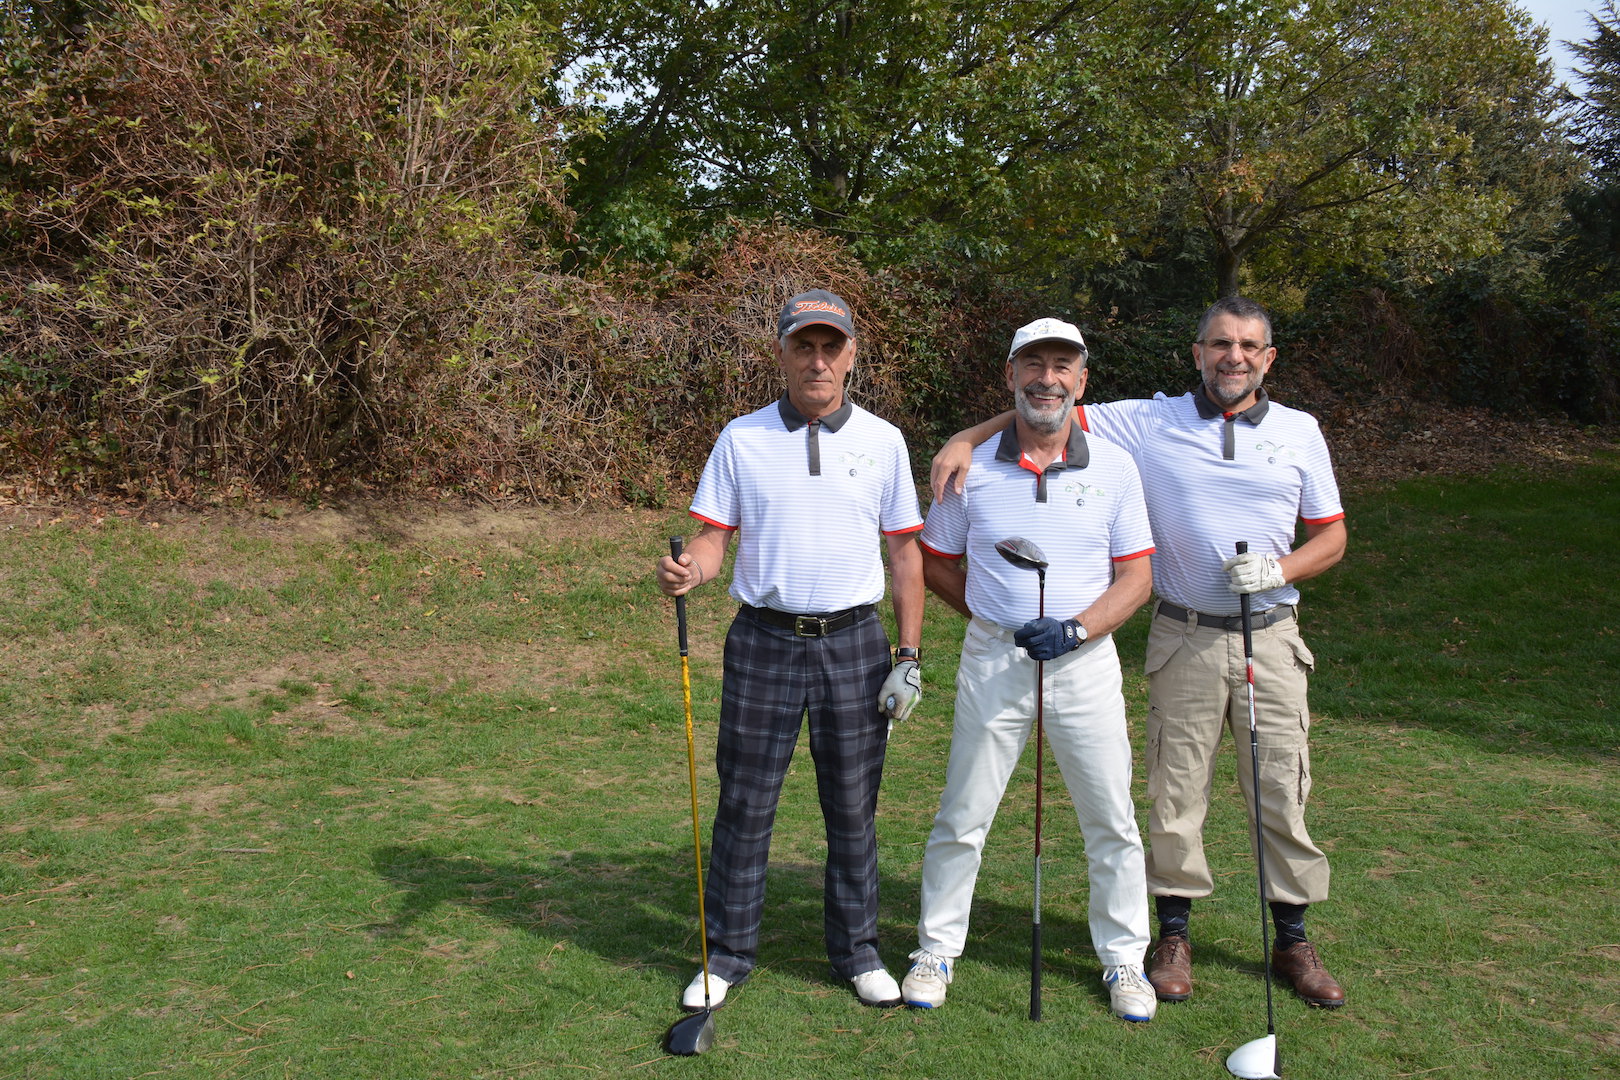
x=1079 y=499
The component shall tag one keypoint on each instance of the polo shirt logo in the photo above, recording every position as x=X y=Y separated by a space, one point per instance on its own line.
x=1273 y=451
x=1080 y=492
x=855 y=462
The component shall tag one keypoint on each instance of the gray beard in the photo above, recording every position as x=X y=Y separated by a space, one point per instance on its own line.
x=1045 y=423
x=1225 y=401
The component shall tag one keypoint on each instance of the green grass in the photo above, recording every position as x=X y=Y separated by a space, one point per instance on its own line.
x=413 y=804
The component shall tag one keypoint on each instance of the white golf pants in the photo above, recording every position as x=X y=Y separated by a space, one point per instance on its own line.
x=1084 y=719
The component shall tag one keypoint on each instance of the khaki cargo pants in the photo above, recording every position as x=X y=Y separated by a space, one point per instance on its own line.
x=1197 y=687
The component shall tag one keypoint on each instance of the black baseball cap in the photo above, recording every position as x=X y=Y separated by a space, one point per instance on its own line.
x=816 y=307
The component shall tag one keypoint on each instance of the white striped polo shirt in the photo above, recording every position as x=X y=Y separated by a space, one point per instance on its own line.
x=806 y=543
x=1201 y=504
x=1093 y=515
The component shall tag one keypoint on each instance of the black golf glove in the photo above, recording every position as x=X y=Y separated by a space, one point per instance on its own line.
x=1048 y=639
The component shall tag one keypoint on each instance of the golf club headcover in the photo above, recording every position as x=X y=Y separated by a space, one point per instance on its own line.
x=1253 y=572
x=901 y=690
x=1048 y=639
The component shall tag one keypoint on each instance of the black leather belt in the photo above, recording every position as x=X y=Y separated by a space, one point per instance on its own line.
x=821 y=625
x=1259 y=620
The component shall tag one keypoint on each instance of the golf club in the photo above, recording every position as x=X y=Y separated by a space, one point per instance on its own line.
x=695 y=1033
x=1259 y=1059
x=1026 y=556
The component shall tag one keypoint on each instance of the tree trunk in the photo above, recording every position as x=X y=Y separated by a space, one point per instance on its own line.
x=1228 y=263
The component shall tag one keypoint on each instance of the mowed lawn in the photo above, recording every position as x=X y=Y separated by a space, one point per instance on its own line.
x=401 y=792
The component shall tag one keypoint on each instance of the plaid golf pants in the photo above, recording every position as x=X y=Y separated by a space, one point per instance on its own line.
x=772 y=680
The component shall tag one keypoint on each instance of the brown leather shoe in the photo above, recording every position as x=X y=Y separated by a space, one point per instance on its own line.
x=1170 y=970
x=1300 y=966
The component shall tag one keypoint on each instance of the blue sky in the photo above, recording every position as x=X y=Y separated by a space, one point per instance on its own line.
x=1565 y=21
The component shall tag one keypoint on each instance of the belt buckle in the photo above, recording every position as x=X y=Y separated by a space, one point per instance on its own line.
x=817 y=626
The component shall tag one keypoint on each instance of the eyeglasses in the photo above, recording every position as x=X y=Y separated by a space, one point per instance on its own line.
x=1220 y=345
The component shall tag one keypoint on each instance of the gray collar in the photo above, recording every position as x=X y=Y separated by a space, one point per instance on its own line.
x=1253 y=414
x=794 y=419
x=1076 y=454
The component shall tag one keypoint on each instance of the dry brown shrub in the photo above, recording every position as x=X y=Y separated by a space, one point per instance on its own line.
x=1392 y=348
x=256 y=239
x=274 y=246
x=280 y=245
x=619 y=393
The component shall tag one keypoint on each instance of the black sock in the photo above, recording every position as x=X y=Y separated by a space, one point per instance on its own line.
x=1173 y=911
x=1289 y=919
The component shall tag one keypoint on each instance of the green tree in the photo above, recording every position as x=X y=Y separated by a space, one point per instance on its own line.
x=1026 y=136
x=1341 y=132
x=1597 y=116
x=1589 y=261
x=1013 y=132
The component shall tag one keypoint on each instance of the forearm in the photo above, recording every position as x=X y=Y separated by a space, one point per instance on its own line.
x=705 y=554
x=947 y=579
x=1323 y=548
x=708 y=550
x=1133 y=584
x=981 y=431
x=906 y=585
x=950 y=466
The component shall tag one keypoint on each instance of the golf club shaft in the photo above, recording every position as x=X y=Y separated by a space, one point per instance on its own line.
x=1040 y=786
x=1035 y=927
x=1245 y=607
x=675 y=546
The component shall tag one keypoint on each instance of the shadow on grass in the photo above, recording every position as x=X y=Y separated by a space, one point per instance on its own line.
x=638 y=910
x=633 y=908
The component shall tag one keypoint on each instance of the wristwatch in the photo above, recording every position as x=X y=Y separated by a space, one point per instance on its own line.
x=914 y=655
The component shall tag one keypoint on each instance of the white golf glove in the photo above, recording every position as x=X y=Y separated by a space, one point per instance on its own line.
x=901 y=690
x=1253 y=572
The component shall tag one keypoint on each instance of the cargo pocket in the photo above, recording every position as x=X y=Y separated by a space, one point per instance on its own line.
x=1303 y=658
x=1155 y=747
x=1160 y=648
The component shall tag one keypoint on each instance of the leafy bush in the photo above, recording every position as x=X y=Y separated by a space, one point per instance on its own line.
x=288 y=243
x=1463 y=342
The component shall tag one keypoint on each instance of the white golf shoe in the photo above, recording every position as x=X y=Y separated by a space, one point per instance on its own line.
x=692 y=996
x=877 y=989
x=1130 y=995
x=924 y=985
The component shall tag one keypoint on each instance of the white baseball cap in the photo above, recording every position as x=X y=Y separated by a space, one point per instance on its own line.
x=1047 y=330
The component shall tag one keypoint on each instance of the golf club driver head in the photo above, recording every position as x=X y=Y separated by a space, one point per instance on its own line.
x=1255 y=1060
x=1022 y=553
x=691 y=1034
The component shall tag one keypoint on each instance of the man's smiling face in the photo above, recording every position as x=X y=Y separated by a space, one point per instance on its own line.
x=1046 y=378
x=1232 y=358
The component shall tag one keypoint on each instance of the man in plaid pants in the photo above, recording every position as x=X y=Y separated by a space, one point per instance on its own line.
x=807 y=484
